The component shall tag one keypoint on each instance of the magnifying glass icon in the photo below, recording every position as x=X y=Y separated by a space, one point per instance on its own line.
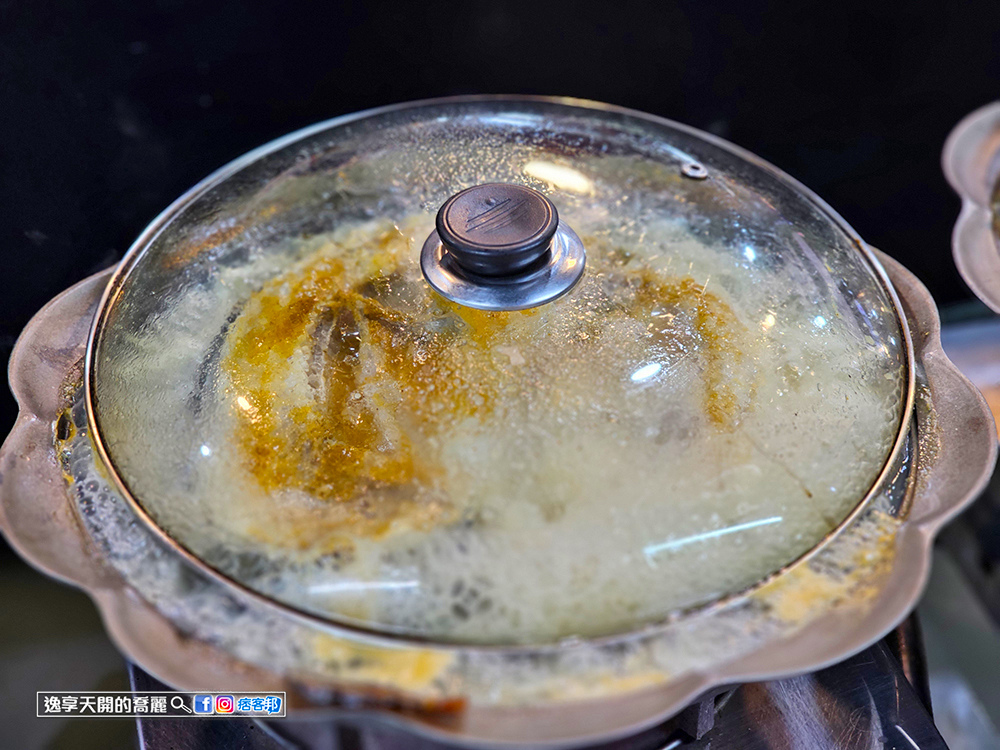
x=179 y=704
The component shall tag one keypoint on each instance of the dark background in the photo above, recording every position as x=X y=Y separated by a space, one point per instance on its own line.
x=109 y=110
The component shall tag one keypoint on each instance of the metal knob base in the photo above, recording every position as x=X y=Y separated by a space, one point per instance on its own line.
x=501 y=247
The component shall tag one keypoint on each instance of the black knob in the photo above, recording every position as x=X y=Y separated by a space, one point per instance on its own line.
x=496 y=229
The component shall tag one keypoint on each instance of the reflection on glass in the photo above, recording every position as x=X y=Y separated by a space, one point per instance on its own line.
x=357 y=587
x=646 y=372
x=651 y=550
x=560 y=176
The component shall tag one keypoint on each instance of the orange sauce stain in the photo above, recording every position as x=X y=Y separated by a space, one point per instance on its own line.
x=722 y=338
x=376 y=383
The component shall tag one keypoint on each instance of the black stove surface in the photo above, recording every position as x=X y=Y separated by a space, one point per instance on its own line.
x=875 y=700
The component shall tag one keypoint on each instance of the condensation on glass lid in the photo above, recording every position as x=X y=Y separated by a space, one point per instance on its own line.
x=382 y=455
x=287 y=397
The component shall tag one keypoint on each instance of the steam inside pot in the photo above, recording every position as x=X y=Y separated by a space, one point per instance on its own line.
x=302 y=411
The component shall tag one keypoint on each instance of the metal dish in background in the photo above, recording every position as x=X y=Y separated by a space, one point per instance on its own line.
x=971 y=162
x=65 y=511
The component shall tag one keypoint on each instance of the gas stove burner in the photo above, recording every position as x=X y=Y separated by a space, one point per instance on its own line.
x=877 y=699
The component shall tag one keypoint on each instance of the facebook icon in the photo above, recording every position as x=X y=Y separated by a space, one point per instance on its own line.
x=204 y=704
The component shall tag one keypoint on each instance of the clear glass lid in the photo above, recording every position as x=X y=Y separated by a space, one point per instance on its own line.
x=281 y=389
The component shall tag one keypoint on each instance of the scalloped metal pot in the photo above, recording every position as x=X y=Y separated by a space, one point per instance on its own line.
x=435 y=390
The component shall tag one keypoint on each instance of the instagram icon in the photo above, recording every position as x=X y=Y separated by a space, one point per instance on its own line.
x=223 y=704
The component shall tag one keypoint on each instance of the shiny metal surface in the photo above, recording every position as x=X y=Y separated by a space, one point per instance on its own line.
x=694 y=170
x=971 y=162
x=864 y=703
x=905 y=645
x=560 y=273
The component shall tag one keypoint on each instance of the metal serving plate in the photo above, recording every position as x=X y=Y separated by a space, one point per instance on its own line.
x=971 y=162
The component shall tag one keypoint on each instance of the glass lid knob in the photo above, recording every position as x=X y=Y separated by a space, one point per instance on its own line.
x=499 y=246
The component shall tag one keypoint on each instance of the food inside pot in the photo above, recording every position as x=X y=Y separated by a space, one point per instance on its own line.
x=355 y=389
x=633 y=448
x=289 y=399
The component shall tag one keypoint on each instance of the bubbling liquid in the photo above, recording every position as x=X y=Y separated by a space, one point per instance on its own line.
x=644 y=444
